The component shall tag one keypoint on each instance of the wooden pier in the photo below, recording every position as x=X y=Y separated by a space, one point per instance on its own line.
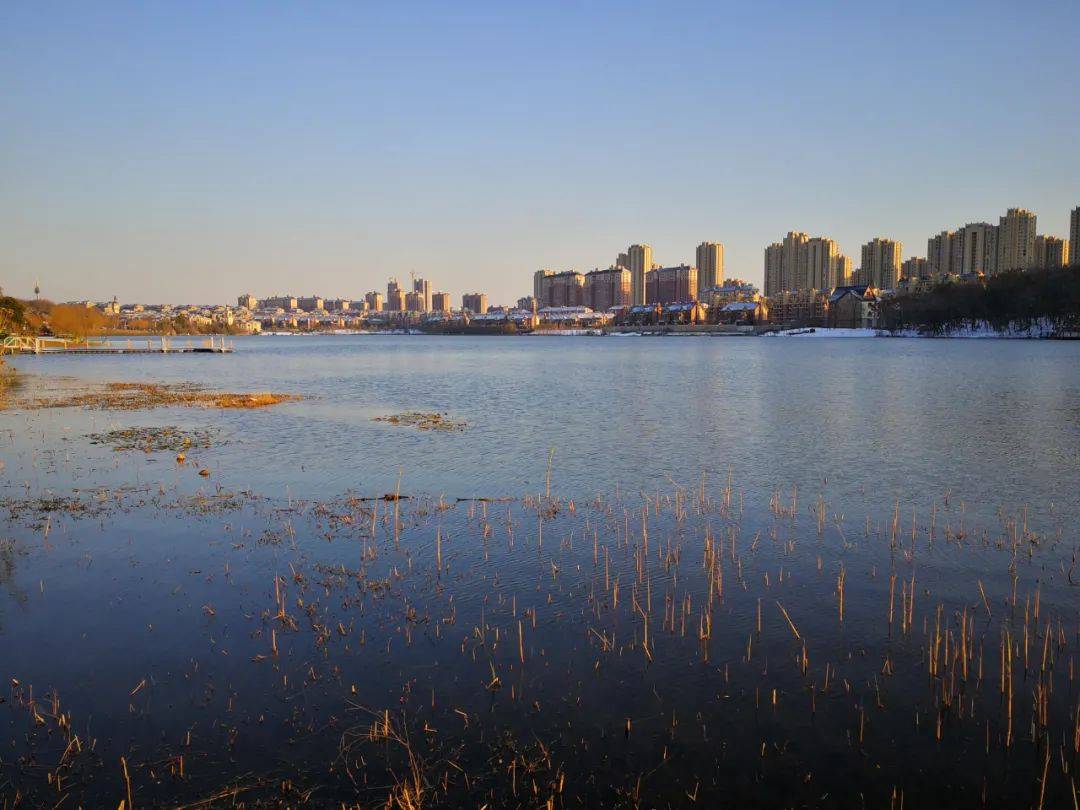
x=19 y=344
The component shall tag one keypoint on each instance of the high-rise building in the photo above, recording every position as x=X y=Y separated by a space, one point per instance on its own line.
x=414 y=302
x=1074 y=236
x=247 y=302
x=623 y=260
x=540 y=278
x=476 y=303
x=881 y=263
x=915 y=267
x=939 y=254
x=528 y=303
x=311 y=303
x=802 y=263
x=844 y=275
x=793 y=269
x=374 y=301
x=566 y=289
x=819 y=266
x=285 y=302
x=392 y=287
x=774 y=268
x=440 y=302
x=978 y=245
x=422 y=288
x=607 y=288
x=710 y=265
x=395 y=298
x=1016 y=240
x=671 y=285
x=1050 y=253
x=640 y=257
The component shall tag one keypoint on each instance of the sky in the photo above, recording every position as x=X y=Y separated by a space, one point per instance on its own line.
x=192 y=151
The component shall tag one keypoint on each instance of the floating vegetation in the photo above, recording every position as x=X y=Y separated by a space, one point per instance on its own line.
x=156 y=439
x=423 y=420
x=128 y=396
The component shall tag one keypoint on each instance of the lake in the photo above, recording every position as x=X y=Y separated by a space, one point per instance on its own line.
x=768 y=571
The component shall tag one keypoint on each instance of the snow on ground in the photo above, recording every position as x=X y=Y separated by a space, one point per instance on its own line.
x=1041 y=329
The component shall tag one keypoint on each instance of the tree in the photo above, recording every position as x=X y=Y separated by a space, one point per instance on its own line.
x=77 y=321
x=12 y=315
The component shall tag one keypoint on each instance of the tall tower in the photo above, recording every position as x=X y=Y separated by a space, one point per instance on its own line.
x=710 y=266
x=640 y=263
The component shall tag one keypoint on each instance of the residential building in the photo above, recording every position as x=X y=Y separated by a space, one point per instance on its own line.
x=422 y=288
x=843 y=270
x=476 y=303
x=978 y=249
x=743 y=313
x=669 y=285
x=395 y=298
x=440 y=302
x=799 y=307
x=527 y=304
x=623 y=260
x=939 y=254
x=774 y=268
x=247 y=302
x=881 y=263
x=285 y=302
x=565 y=289
x=640 y=258
x=710 y=265
x=853 y=307
x=914 y=267
x=1050 y=253
x=732 y=291
x=540 y=278
x=795 y=264
x=374 y=301
x=818 y=268
x=392 y=288
x=312 y=303
x=415 y=302
x=1016 y=240
x=1074 y=236
x=604 y=289
x=793 y=269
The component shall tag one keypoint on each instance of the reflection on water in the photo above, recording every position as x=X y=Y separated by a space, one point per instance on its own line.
x=996 y=422
x=770 y=573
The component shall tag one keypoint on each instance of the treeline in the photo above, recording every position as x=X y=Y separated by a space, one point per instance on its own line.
x=43 y=317
x=1018 y=299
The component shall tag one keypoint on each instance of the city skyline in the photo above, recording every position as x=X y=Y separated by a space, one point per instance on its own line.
x=159 y=153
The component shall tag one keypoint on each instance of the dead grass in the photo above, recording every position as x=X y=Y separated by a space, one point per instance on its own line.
x=423 y=421
x=126 y=396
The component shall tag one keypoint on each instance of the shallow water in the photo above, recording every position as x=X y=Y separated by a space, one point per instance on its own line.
x=507 y=638
x=997 y=422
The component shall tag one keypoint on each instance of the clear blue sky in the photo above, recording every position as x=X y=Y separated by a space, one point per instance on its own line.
x=191 y=151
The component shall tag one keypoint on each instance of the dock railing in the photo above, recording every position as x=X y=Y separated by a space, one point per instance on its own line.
x=34 y=344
